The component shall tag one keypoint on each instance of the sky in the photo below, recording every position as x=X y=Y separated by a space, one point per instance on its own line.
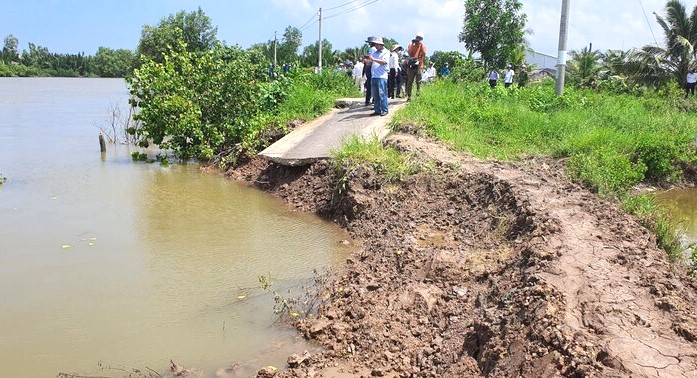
x=73 y=26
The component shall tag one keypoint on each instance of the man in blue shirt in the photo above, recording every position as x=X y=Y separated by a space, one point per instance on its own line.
x=380 y=59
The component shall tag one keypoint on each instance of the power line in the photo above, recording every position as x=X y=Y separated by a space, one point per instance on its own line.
x=647 y=21
x=342 y=5
x=351 y=10
x=308 y=21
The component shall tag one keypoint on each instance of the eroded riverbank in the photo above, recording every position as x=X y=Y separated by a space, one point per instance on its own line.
x=487 y=268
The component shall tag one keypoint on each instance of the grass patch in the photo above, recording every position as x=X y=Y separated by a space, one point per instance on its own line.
x=387 y=162
x=612 y=141
x=650 y=215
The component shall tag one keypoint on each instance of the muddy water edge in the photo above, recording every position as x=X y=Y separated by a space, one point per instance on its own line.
x=107 y=265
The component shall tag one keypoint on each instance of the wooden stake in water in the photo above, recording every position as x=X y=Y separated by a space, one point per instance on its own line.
x=102 y=143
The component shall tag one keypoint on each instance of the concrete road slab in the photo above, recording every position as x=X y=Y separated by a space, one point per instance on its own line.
x=314 y=140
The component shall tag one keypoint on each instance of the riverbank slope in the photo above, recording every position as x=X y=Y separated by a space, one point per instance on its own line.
x=475 y=267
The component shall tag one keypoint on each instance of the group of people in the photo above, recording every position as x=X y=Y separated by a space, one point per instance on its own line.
x=508 y=75
x=384 y=74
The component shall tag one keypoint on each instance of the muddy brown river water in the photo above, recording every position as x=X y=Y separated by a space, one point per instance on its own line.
x=107 y=262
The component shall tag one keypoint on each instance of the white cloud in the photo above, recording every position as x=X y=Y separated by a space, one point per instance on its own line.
x=606 y=24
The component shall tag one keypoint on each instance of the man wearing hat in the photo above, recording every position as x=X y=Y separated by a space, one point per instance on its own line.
x=393 y=66
x=380 y=60
x=417 y=53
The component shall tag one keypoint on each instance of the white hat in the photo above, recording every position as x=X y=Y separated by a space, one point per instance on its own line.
x=420 y=35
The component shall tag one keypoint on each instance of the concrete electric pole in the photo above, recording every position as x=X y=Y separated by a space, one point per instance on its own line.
x=561 y=58
x=319 y=63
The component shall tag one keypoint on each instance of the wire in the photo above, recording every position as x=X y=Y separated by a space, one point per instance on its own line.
x=308 y=21
x=351 y=10
x=342 y=5
x=647 y=21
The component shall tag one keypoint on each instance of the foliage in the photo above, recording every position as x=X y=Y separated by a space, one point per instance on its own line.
x=494 y=28
x=387 y=162
x=452 y=58
x=286 y=50
x=10 y=52
x=3 y=179
x=655 y=65
x=584 y=67
x=197 y=104
x=612 y=141
x=310 y=55
x=194 y=27
x=468 y=70
x=113 y=63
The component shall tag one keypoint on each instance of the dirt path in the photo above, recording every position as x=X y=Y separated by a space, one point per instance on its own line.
x=485 y=268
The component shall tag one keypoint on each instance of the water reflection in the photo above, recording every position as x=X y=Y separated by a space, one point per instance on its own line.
x=682 y=208
x=154 y=256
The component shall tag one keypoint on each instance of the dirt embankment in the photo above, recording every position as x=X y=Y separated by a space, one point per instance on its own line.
x=488 y=269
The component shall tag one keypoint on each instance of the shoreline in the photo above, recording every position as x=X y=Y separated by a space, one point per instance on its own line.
x=486 y=268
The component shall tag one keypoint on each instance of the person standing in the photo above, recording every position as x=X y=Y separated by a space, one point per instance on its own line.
x=358 y=74
x=379 y=71
x=367 y=67
x=445 y=70
x=691 y=81
x=493 y=78
x=508 y=76
x=393 y=66
x=402 y=76
x=417 y=53
x=430 y=73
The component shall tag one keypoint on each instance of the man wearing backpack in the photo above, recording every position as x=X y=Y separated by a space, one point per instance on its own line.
x=415 y=63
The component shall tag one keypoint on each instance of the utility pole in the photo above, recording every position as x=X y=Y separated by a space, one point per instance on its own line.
x=274 y=49
x=319 y=63
x=561 y=58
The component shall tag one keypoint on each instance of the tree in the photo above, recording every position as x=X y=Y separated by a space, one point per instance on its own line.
x=452 y=58
x=9 y=51
x=654 y=65
x=37 y=56
x=493 y=28
x=195 y=28
x=112 y=63
x=288 y=48
x=197 y=104
x=585 y=66
x=310 y=55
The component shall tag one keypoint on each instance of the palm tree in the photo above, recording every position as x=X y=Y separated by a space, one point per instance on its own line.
x=584 y=67
x=655 y=65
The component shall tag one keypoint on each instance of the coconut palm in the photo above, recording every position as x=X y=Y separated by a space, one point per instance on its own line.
x=655 y=65
x=585 y=66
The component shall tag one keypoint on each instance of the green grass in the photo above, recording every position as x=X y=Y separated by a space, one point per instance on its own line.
x=387 y=162
x=612 y=141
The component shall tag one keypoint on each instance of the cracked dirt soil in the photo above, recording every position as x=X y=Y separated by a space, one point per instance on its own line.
x=483 y=268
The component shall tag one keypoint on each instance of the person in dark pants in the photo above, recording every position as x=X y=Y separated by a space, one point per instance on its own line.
x=368 y=78
x=417 y=52
x=402 y=77
x=367 y=63
x=393 y=66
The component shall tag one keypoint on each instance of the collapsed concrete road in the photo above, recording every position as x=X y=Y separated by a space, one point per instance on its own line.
x=315 y=140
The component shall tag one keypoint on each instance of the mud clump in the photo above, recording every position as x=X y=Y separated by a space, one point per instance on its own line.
x=484 y=268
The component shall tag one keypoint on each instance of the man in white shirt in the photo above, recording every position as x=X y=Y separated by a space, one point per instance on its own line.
x=379 y=58
x=508 y=76
x=393 y=66
x=493 y=78
x=691 y=81
x=358 y=74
